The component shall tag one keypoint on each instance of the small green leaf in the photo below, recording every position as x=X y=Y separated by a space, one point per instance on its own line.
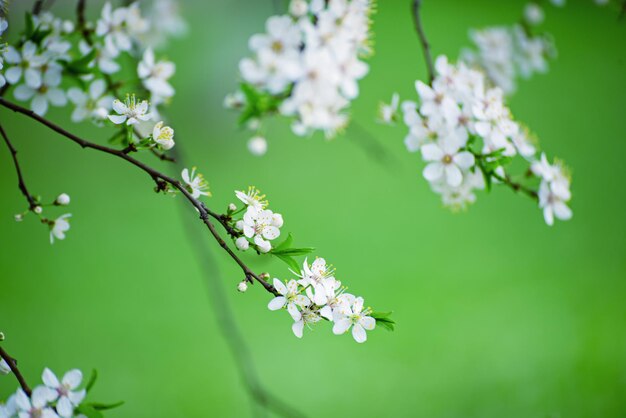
x=92 y=380
x=89 y=411
x=104 y=406
x=382 y=319
x=285 y=244
x=294 y=252
x=290 y=261
x=29 y=28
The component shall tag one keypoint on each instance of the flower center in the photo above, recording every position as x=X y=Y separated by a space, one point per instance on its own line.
x=447 y=159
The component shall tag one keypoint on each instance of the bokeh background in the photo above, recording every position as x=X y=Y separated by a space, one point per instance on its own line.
x=498 y=314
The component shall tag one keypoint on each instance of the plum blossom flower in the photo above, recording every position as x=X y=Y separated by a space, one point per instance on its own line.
x=289 y=297
x=130 y=112
x=59 y=227
x=67 y=396
x=388 y=112
x=163 y=136
x=252 y=197
x=93 y=104
x=4 y=367
x=354 y=316
x=196 y=184
x=26 y=63
x=446 y=162
x=46 y=92
x=307 y=316
x=262 y=226
x=257 y=145
x=37 y=406
x=155 y=75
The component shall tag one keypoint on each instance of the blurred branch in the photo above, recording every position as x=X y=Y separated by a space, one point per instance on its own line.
x=228 y=325
x=16 y=371
x=37 y=7
x=21 y=184
x=162 y=181
x=423 y=40
x=371 y=145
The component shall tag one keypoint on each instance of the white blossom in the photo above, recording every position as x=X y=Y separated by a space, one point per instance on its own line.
x=196 y=184
x=257 y=145
x=62 y=200
x=252 y=197
x=533 y=13
x=130 y=112
x=26 y=63
x=388 y=112
x=155 y=75
x=446 y=162
x=163 y=136
x=354 y=316
x=262 y=226
x=37 y=406
x=47 y=92
x=94 y=103
x=59 y=227
x=289 y=297
x=4 y=367
x=242 y=243
x=121 y=27
x=67 y=397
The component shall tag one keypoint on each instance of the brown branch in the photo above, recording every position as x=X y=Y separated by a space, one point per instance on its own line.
x=423 y=40
x=37 y=7
x=226 y=321
x=21 y=184
x=16 y=371
x=517 y=187
x=82 y=21
x=157 y=176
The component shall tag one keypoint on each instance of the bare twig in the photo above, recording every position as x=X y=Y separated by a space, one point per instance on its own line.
x=159 y=178
x=37 y=7
x=16 y=371
x=423 y=40
x=21 y=184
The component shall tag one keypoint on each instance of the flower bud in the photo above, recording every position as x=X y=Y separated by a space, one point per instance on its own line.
x=62 y=200
x=533 y=14
x=298 y=8
x=257 y=146
x=19 y=217
x=264 y=276
x=232 y=207
x=38 y=210
x=242 y=286
x=242 y=243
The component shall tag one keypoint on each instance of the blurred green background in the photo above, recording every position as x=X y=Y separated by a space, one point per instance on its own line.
x=498 y=314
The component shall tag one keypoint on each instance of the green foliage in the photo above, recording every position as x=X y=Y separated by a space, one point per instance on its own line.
x=92 y=380
x=80 y=66
x=383 y=319
x=258 y=103
x=286 y=253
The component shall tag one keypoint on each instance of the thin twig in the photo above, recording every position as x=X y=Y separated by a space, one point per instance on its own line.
x=160 y=179
x=16 y=371
x=228 y=325
x=21 y=184
x=517 y=187
x=82 y=21
x=423 y=40
x=37 y=7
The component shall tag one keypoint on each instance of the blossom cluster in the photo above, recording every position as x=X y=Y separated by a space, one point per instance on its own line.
x=52 y=52
x=55 y=398
x=507 y=53
x=467 y=136
x=259 y=225
x=317 y=295
x=306 y=66
x=58 y=226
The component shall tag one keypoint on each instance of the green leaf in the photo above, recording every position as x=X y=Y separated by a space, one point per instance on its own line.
x=81 y=65
x=92 y=380
x=294 y=252
x=104 y=406
x=29 y=27
x=382 y=319
x=290 y=261
x=89 y=411
x=285 y=244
